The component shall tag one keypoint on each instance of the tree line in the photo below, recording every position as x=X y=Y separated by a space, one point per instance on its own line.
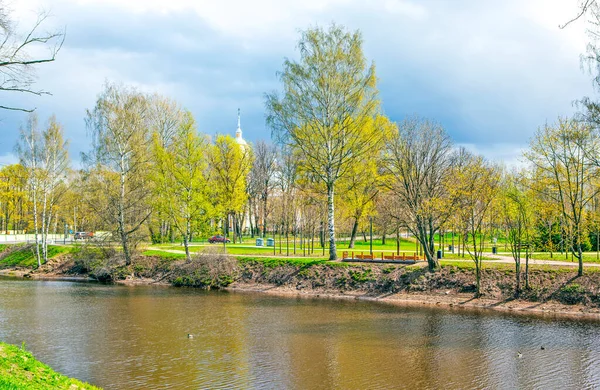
x=335 y=160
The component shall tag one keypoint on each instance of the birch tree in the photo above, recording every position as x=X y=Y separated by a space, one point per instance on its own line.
x=29 y=149
x=118 y=164
x=329 y=97
x=53 y=171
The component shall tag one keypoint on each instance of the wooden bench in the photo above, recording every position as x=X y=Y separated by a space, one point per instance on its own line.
x=384 y=256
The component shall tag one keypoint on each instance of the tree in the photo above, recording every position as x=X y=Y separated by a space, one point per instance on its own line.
x=516 y=207
x=329 y=98
x=119 y=161
x=181 y=179
x=477 y=184
x=13 y=197
x=262 y=177
x=29 y=149
x=16 y=61
x=165 y=117
x=229 y=165
x=54 y=161
x=561 y=155
x=359 y=191
x=418 y=169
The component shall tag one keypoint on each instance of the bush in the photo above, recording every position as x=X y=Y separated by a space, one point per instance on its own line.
x=571 y=294
x=103 y=263
x=207 y=270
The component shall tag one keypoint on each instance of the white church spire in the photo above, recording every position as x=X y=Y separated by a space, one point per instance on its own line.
x=238 y=133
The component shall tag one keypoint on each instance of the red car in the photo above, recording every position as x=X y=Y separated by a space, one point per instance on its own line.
x=218 y=238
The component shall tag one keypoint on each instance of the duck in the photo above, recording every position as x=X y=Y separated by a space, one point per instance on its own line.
x=190 y=336
x=519 y=355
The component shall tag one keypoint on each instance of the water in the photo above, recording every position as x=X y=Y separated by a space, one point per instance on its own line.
x=136 y=338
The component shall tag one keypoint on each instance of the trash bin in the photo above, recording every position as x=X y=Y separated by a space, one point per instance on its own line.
x=451 y=248
x=494 y=250
x=270 y=242
x=259 y=242
x=439 y=254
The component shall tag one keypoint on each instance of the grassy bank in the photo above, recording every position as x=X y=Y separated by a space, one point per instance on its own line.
x=217 y=270
x=19 y=370
x=23 y=255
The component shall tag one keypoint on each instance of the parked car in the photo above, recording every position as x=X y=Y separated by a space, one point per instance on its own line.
x=218 y=238
x=83 y=235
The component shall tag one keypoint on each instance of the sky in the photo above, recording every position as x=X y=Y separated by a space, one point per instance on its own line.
x=491 y=72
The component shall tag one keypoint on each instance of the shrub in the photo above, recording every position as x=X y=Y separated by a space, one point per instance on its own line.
x=207 y=270
x=571 y=294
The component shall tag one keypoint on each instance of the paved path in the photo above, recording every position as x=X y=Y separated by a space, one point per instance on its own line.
x=497 y=259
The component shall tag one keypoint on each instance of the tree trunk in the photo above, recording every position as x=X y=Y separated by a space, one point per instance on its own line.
x=383 y=238
x=477 y=279
x=353 y=235
x=331 y=222
x=527 y=269
x=44 y=226
x=35 y=226
x=186 y=236
x=518 y=278
x=580 y=259
x=264 y=216
x=121 y=216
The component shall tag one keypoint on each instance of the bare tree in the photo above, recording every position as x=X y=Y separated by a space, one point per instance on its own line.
x=419 y=163
x=262 y=177
x=17 y=64
x=562 y=157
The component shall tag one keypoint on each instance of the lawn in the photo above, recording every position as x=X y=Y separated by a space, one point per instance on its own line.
x=24 y=256
x=19 y=370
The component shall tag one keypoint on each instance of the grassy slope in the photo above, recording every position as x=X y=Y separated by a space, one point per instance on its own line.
x=24 y=256
x=19 y=370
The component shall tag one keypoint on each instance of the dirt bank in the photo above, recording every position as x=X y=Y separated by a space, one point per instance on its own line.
x=552 y=291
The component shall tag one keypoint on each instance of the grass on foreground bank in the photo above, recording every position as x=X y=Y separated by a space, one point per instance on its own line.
x=19 y=370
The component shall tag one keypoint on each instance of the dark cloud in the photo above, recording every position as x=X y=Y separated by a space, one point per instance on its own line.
x=482 y=69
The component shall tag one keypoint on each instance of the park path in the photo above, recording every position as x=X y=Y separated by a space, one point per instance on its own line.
x=510 y=260
x=497 y=259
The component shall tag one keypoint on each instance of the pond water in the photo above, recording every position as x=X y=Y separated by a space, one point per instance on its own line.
x=120 y=337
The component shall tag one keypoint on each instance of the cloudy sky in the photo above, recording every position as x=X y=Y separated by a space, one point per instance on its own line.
x=490 y=71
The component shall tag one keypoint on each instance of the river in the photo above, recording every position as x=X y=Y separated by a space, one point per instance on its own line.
x=120 y=337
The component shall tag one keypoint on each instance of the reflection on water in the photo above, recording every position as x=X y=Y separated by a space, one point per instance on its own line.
x=136 y=337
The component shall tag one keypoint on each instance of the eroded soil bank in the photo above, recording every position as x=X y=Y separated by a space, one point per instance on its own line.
x=556 y=291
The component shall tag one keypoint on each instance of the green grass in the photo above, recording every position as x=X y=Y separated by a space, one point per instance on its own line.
x=164 y=255
x=281 y=261
x=588 y=257
x=24 y=256
x=19 y=370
